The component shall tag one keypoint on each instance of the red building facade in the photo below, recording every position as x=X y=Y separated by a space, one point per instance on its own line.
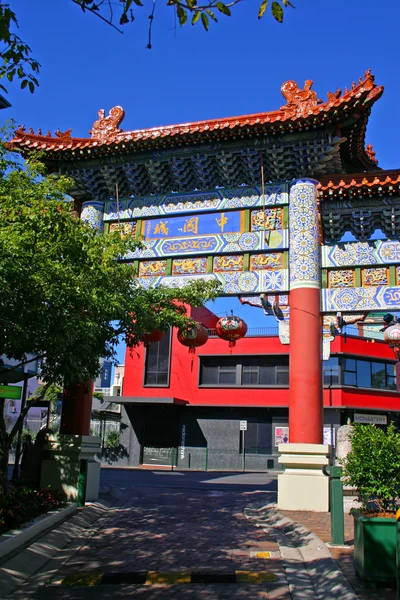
x=185 y=409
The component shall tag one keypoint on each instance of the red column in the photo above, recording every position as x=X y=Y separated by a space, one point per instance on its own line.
x=305 y=408
x=305 y=377
x=77 y=409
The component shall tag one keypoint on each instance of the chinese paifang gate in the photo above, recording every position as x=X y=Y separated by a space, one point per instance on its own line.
x=193 y=193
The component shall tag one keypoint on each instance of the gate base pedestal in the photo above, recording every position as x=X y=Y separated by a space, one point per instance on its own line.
x=303 y=485
x=61 y=465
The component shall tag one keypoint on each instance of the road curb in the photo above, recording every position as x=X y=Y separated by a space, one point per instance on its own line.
x=14 y=540
x=312 y=573
x=21 y=574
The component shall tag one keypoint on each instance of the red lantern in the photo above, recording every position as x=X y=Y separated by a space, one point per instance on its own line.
x=231 y=329
x=193 y=336
x=392 y=337
x=155 y=336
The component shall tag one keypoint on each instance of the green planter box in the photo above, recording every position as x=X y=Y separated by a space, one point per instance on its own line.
x=375 y=548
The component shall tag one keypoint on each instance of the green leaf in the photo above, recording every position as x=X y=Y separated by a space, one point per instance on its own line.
x=204 y=20
x=182 y=14
x=196 y=17
x=191 y=3
x=211 y=14
x=124 y=19
x=138 y=2
x=262 y=8
x=223 y=9
x=277 y=12
x=31 y=87
x=288 y=3
x=24 y=84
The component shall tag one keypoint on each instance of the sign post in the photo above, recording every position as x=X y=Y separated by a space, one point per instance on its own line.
x=243 y=428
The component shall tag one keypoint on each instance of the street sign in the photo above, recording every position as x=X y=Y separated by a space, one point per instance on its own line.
x=243 y=425
x=11 y=392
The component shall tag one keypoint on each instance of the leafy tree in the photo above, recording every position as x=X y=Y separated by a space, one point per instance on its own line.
x=65 y=294
x=18 y=62
x=372 y=466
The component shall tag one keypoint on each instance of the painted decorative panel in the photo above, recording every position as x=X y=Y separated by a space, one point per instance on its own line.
x=92 y=214
x=182 y=266
x=272 y=260
x=361 y=253
x=126 y=228
x=219 y=199
x=365 y=298
x=304 y=252
x=228 y=263
x=377 y=276
x=212 y=244
x=342 y=278
x=152 y=268
x=229 y=222
x=270 y=218
x=233 y=282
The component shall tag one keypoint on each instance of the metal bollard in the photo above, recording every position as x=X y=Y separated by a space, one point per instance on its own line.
x=336 y=502
x=82 y=480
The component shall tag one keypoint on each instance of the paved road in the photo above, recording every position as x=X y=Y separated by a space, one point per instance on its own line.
x=261 y=482
x=174 y=522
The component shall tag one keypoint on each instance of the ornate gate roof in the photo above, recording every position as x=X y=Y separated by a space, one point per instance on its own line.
x=305 y=137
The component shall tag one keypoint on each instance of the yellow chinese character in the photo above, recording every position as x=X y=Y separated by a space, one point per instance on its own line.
x=191 y=225
x=161 y=227
x=222 y=221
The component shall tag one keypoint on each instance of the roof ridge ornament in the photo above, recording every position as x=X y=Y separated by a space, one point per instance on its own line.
x=299 y=102
x=65 y=136
x=371 y=153
x=106 y=129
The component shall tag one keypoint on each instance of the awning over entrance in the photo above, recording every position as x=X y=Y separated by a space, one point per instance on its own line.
x=146 y=400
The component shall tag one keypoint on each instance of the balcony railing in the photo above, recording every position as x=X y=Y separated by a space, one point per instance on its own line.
x=273 y=332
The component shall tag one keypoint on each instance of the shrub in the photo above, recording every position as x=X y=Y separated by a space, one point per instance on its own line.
x=112 y=439
x=24 y=504
x=373 y=466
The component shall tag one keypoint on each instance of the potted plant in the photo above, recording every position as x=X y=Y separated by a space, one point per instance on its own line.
x=372 y=467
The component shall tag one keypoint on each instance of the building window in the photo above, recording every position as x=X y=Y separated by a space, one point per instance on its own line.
x=157 y=365
x=368 y=374
x=244 y=371
x=331 y=371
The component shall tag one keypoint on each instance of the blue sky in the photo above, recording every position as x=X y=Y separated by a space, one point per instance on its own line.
x=236 y=68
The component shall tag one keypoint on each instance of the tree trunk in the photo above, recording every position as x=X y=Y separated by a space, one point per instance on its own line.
x=3 y=450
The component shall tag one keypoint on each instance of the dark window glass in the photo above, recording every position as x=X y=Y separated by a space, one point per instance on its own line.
x=282 y=376
x=227 y=375
x=350 y=378
x=209 y=373
x=244 y=370
x=363 y=373
x=349 y=364
x=378 y=376
x=250 y=375
x=369 y=374
x=330 y=371
x=156 y=370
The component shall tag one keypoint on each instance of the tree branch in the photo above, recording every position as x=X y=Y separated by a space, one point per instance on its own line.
x=94 y=12
x=22 y=364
